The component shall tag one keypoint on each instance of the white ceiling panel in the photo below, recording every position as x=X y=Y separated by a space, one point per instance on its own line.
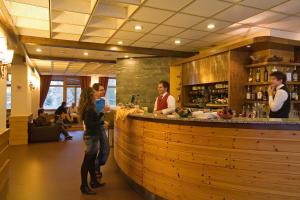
x=105 y=22
x=26 y=10
x=167 y=30
x=290 y=7
x=263 y=18
x=108 y=10
x=265 y=4
x=100 y=32
x=153 y=38
x=146 y=27
x=144 y=44
x=31 y=23
x=200 y=44
x=215 y=37
x=237 y=13
x=165 y=46
x=206 y=8
x=124 y=42
x=192 y=34
x=171 y=41
x=152 y=15
x=34 y=32
x=290 y=24
x=95 y=39
x=66 y=17
x=67 y=28
x=187 y=48
x=81 y=6
x=127 y=35
x=183 y=20
x=168 y=4
x=218 y=25
x=40 y=3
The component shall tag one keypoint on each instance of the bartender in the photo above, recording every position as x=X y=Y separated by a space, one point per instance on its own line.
x=279 y=98
x=164 y=103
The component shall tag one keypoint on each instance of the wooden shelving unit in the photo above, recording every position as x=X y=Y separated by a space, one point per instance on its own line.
x=263 y=102
x=282 y=64
x=267 y=83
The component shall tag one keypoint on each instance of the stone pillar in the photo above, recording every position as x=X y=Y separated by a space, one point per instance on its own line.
x=20 y=101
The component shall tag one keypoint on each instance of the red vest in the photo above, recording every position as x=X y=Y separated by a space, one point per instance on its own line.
x=162 y=102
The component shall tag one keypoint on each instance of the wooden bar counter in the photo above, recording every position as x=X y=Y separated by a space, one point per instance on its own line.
x=210 y=159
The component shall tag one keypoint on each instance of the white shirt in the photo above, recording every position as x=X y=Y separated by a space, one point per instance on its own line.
x=171 y=104
x=280 y=97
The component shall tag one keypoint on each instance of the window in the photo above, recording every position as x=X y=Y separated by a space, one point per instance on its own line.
x=8 y=92
x=67 y=90
x=111 y=91
x=55 y=95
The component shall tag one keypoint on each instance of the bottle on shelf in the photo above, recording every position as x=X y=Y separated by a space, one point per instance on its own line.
x=295 y=75
x=288 y=75
x=248 y=94
x=265 y=94
x=295 y=95
x=257 y=75
x=259 y=94
x=253 y=95
x=250 y=78
x=266 y=75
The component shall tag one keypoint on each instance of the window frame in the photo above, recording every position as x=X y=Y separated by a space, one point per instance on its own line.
x=114 y=87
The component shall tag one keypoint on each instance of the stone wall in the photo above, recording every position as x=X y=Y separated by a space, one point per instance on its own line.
x=140 y=76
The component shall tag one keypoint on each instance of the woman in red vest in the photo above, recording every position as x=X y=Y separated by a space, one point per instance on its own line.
x=164 y=103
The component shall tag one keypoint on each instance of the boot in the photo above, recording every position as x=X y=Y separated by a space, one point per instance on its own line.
x=86 y=190
x=96 y=184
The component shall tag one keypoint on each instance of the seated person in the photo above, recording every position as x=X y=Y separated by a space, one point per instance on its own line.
x=73 y=113
x=42 y=120
x=62 y=126
x=63 y=113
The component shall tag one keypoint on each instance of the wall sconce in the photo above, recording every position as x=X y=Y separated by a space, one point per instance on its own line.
x=6 y=56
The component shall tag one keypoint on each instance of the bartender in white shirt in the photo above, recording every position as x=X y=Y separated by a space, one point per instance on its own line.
x=164 y=103
x=279 y=97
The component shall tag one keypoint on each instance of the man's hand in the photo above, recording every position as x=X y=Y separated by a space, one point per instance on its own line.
x=270 y=90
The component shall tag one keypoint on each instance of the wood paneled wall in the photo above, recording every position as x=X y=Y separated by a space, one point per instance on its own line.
x=19 y=129
x=4 y=164
x=198 y=163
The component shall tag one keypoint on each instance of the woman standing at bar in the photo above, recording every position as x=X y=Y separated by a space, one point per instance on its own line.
x=279 y=98
x=91 y=119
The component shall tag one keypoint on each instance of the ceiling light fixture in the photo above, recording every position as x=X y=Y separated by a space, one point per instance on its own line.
x=248 y=46
x=86 y=53
x=211 y=26
x=138 y=27
x=120 y=42
x=39 y=50
x=126 y=56
x=177 y=41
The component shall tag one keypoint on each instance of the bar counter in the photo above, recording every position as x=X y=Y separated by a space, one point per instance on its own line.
x=183 y=158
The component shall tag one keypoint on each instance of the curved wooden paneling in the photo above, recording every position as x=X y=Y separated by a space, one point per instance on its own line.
x=4 y=164
x=194 y=162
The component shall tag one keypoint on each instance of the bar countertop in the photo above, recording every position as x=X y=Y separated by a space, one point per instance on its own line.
x=266 y=123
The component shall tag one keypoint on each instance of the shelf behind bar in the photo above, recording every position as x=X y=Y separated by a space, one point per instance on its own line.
x=282 y=64
x=268 y=83
x=260 y=101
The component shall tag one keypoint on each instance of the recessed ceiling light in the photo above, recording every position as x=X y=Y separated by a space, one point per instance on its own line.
x=39 y=50
x=138 y=27
x=211 y=26
x=86 y=53
x=248 y=46
x=120 y=42
x=177 y=41
x=126 y=56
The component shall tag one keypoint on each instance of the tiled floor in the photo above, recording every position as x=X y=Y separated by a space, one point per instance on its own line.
x=50 y=171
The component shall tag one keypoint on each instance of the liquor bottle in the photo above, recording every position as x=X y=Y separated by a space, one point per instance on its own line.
x=260 y=94
x=266 y=75
x=250 y=78
x=265 y=95
x=253 y=95
x=257 y=76
x=288 y=75
x=248 y=94
x=296 y=94
x=295 y=74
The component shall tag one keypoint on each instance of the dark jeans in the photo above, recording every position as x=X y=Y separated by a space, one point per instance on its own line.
x=62 y=129
x=88 y=164
x=104 y=150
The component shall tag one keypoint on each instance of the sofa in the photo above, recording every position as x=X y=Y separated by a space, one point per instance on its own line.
x=43 y=133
